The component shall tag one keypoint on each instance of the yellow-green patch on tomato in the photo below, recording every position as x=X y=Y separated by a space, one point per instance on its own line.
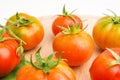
x=106 y=32
x=28 y=28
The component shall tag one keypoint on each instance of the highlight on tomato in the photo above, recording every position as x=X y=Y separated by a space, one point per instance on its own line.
x=65 y=20
x=106 y=31
x=75 y=44
x=28 y=28
x=106 y=65
x=49 y=68
x=9 y=56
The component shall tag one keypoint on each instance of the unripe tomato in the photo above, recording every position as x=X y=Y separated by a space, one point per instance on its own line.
x=106 y=32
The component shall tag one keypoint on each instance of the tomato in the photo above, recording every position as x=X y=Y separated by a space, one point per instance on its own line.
x=106 y=32
x=8 y=56
x=76 y=47
x=44 y=71
x=106 y=65
x=61 y=72
x=65 y=20
x=28 y=28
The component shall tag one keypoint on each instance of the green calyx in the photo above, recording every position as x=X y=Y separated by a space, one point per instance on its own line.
x=115 y=18
x=20 y=21
x=65 y=13
x=20 y=52
x=71 y=29
x=44 y=64
x=116 y=56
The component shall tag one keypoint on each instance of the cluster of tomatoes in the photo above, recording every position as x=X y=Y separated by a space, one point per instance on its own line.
x=21 y=32
x=72 y=46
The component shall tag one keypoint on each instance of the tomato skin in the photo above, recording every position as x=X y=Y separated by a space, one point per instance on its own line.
x=8 y=56
x=32 y=34
x=106 y=33
x=65 y=21
x=99 y=69
x=75 y=48
x=61 y=72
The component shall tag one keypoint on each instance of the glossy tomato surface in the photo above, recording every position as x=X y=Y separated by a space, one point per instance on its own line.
x=61 y=72
x=75 y=48
x=31 y=32
x=8 y=56
x=100 y=69
x=106 y=33
x=65 y=21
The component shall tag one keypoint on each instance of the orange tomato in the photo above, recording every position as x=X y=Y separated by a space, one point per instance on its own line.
x=61 y=72
x=46 y=69
x=76 y=48
x=28 y=28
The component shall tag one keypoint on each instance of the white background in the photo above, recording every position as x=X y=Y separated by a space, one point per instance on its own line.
x=51 y=7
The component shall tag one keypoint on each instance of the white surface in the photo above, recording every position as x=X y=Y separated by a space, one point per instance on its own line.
x=51 y=7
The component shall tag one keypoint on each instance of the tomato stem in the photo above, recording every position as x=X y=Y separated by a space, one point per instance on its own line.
x=65 y=13
x=71 y=29
x=113 y=53
x=2 y=31
x=44 y=64
x=115 y=18
x=20 y=50
x=7 y=28
x=20 y=21
x=116 y=56
x=13 y=35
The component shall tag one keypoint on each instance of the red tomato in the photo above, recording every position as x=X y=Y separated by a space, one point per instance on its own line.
x=28 y=28
x=106 y=32
x=57 y=71
x=8 y=56
x=76 y=48
x=65 y=20
x=106 y=66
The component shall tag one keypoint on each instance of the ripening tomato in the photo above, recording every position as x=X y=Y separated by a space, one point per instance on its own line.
x=106 y=32
x=106 y=66
x=75 y=45
x=46 y=69
x=28 y=28
x=65 y=20
x=8 y=56
x=61 y=72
